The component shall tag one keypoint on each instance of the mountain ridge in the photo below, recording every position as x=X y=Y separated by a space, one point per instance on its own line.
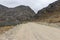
x=15 y=15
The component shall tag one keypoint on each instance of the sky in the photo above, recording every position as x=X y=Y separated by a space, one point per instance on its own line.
x=34 y=4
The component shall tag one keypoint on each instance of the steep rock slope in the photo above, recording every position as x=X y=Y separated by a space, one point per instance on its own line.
x=13 y=16
x=50 y=13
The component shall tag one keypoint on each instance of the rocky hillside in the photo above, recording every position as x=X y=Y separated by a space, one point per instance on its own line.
x=51 y=13
x=13 y=16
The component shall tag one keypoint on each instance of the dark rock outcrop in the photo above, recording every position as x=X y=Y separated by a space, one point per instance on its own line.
x=13 y=16
x=50 y=13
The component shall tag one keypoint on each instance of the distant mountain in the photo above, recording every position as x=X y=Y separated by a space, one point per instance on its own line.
x=4 y=7
x=10 y=16
x=51 y=13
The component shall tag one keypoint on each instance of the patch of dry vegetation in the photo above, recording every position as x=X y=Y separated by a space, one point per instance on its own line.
x=5 y=28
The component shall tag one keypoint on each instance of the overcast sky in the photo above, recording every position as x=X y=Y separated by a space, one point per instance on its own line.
x=34 y=4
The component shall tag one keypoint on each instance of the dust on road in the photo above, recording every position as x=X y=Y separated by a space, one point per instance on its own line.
x=32 y=31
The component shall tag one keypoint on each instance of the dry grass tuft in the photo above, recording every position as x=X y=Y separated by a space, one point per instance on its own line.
x=5 y=28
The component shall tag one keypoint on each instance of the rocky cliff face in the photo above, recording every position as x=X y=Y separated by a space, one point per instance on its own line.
x=10 y=16
x=50 y=13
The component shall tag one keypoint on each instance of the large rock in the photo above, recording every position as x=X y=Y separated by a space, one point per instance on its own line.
x=50 y=13
x=13 y=16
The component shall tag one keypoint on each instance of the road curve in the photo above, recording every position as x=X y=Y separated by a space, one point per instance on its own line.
x=32 y=31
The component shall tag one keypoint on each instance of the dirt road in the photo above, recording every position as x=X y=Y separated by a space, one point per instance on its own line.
x=32 y=31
